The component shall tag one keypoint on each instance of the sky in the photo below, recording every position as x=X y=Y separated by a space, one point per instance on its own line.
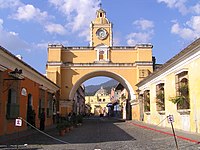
x=28 y=26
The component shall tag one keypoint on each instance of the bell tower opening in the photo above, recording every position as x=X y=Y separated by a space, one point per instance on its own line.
x=101 y=15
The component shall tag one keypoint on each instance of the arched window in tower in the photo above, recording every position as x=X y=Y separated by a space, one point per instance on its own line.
x=100 y=15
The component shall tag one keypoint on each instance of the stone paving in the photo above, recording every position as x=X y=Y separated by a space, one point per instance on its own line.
x=103 y=134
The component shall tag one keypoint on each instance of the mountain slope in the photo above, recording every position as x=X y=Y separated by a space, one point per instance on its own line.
x=91 y=89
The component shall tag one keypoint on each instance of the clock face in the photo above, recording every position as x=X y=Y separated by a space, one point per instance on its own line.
x=102 y=33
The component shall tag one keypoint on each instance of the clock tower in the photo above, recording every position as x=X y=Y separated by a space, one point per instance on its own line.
x=101 y=30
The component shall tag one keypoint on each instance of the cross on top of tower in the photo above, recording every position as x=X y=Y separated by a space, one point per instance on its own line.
x=100 y=5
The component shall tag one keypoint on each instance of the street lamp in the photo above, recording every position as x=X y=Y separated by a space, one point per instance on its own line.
x=16 y=74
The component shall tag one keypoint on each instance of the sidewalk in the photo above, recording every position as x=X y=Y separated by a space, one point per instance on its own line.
x=12 y=138
x=183 y=135
x=180 y=134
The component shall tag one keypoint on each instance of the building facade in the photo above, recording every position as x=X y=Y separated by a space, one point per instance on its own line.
x=24 y=93
x=173 y=90
x=69 y=67
x=98 y=102
x=119 y=98
x=79 y=101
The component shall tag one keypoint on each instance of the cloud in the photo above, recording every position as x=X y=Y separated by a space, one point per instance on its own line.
x=116 y=41
x=135 y=38
x=55 y=28
x=144 y=24
x=10 y=40
x=1 y=24
x=178 y=4
x=196 y=8
x=44 y=45
x=190 y=31
x=78 y=13
x=29 y=12
x=182 y=6
x=145 y=33
x=194 y=23
x=9 y=3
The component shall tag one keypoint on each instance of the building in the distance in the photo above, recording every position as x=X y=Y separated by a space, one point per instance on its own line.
x=79 y=101
x=119 y=100
x=24 y=92
x=98 y=102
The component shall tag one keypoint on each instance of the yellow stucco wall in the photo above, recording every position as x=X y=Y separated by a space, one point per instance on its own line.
x=184 y=119
x=79 y=56
x=67 y=73
x=54 y=54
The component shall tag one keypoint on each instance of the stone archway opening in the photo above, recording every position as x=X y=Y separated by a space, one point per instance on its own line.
x=124 y=106
x=120 y=79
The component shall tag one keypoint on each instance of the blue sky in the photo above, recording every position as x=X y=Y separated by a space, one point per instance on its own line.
x=28 y=26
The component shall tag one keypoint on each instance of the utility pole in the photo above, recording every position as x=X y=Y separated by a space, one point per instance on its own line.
x=171 y=120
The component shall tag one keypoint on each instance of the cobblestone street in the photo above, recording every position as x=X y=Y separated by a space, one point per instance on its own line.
x=102 y=134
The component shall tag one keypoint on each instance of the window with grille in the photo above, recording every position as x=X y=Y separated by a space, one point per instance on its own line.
x=182 y=91
x=160 y=97
x=146 y=101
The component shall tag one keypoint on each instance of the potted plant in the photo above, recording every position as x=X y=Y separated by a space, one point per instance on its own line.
x=79 y=119
x=61 y=128
x=181 y=101
x=67 y=126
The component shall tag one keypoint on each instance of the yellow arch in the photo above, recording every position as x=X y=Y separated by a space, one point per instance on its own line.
x=122 y=80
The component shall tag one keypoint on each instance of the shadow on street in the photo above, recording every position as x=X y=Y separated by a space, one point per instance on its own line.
x=93 y=130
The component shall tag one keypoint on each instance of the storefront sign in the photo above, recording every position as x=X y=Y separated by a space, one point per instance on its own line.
x=18 y=122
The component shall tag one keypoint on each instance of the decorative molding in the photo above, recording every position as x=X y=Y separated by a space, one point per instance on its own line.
x=161 y=112
x=184 y=111
x=159 y=81
x=96 y=64
x=52 y=63
x=43 y=87
x=2 y=68
x=181 y=70
x=144 y=63
x=148 y=113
